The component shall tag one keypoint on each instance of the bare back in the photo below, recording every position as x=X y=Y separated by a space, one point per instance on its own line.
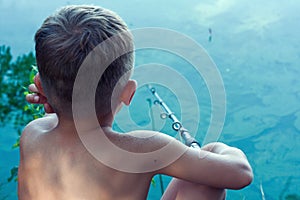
x=56 y=165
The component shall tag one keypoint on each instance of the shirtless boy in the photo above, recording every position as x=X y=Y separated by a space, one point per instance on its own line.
x=55 y=164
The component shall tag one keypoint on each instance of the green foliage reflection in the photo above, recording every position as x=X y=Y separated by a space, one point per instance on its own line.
x=15 y=76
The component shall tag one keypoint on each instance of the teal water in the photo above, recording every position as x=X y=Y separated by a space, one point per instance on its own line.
x=256 y=47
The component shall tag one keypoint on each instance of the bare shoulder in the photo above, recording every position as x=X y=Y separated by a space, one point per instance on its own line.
x=45 y=123
x=30 y=157
x=153 y=140
x=147 y=134
x=37 y=127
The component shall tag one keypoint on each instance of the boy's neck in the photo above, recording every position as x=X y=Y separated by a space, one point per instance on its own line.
x=103 y=121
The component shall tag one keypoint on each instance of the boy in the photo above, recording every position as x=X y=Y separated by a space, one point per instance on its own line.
x=54 y=163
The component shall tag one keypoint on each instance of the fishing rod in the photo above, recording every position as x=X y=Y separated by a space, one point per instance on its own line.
x=176 y=125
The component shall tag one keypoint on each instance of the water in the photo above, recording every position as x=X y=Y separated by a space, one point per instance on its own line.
x=9 y=159
x=256 y=48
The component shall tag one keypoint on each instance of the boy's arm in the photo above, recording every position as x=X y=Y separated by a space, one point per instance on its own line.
x=216 y=165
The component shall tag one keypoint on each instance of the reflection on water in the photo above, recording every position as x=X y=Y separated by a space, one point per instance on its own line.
x=9 y=159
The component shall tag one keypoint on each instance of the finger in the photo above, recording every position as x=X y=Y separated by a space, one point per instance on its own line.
x=32 y=98
x=33 y=88
x=36 y=98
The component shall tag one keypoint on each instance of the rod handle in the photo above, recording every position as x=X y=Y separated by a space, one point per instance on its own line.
x=188 y=139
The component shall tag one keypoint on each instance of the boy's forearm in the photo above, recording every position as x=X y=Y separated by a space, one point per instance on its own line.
x=215 y=147
x=239 y=165
x=223 y=149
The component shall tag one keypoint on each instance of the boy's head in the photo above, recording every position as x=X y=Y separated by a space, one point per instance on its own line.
x=63 y=42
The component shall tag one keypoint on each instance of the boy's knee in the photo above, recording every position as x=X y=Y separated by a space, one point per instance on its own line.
x=180 y=189
x=194 y=191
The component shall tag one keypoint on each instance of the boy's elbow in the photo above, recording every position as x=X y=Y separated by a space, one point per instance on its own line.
x=245 y=177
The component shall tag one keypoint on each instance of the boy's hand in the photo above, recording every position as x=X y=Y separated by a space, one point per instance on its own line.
x=37 y=97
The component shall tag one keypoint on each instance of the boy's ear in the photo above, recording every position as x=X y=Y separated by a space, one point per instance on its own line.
x=128 y=92
x=38 y=84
